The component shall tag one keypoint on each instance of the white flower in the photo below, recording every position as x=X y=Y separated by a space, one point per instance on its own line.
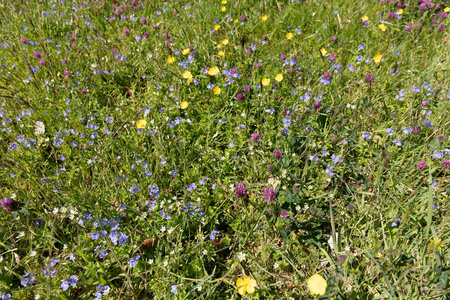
x=32 y=253
x=241 y=256
x=165 y=263
x=205 y=251
x=276 y=265
x=199 y=288
x=1 y=258
x=55 y=210
x=150 y=261
x=21 y=234
x=163 y=229
x=170 y=230
x=39 y=128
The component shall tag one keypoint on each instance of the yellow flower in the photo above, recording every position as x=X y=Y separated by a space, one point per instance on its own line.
x=365 y=18
x=447 y=9
x=289 y=35
x=186 y=51
x=382 y=27
x=213 y=71
x=379 y=255
x=223 y=9
x=216 y=90
x=225 y=42
x=170 y=59
x=184 y=105
x=265 y=81
x=264 y=18
x=400 y=11
x=377 y=58
x=323 y=51
x=219 y=46
x=437 y=243
x=279 y=77
x=317 y=285
x=216 y=27
x=236 y=20
x=224 y=2
x=221 y=53
x=141 y=123
x=246 y=285
x=187 y=74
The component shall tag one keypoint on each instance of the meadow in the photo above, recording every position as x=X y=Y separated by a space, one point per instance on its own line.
x=226 y=149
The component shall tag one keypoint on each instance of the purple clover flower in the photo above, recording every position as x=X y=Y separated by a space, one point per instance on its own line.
x=269 y=194
x=240 y=191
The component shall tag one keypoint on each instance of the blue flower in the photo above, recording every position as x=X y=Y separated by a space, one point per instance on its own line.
x=173 y=289
x=64 y=285
x=366 y=135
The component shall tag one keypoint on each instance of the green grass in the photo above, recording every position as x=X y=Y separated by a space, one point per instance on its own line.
x=98 y=199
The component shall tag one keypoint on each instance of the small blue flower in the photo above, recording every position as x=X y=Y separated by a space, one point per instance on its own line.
x=173 y=289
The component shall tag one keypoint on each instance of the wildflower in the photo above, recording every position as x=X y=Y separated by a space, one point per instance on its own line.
x=279 y=77
x=216 y=27
x=187 y=74
x=216 y=90
x=277 y=154
x=239 y=97
x=317 y=285
x=141 y=124
x=9 y=204
x=264 y=18
x=173 y=289
x=223 y=9
x=446 y=164
x=421 y=165
x=170 y=60
x=265 y=81
x=368 y=78
x=436 y=244
x=37 y=54
x=246 y=285
x=213 y=71
x=326 y=75
x=447 y=9
x=225 y=42
x=184 y=105
x=269 y=194
x=221 y=53
x=186 y=51
x=240 y=191
x=284 y=214
x=289 y=35
x=364 y=18
x=241 y=256
x=382 y=27
x=255 y=137
x=323 y=51
x=317 y=105
x=377 y=58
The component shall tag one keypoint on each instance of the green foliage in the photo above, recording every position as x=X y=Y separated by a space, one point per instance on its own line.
x=153 y=211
